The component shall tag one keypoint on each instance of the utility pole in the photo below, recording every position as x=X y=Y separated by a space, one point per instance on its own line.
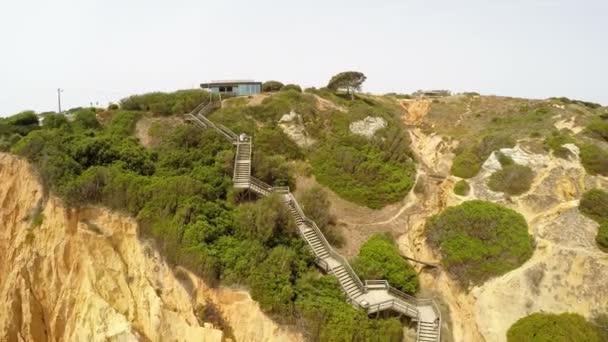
x=59 y=91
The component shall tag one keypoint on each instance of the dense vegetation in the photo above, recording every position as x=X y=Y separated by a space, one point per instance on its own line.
x=15 y=127
x=181 y=194
x=594 y=204
x=179 y=102
x=478 y=240
x=372 y=172
x=379 y=258
x=544 y=327
x=462 y=188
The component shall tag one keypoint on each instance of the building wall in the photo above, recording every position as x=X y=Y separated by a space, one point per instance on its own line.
x=241 y=89
x=248 y=89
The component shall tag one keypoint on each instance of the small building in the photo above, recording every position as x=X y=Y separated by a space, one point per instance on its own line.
x=234 y=87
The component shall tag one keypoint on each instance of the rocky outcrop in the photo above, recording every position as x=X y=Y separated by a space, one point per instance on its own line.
x=415 y=110
x=368 y=126
x=293 y=126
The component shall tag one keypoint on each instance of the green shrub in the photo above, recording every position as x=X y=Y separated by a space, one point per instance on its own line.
x=270 y=86
x=271 y=281
x=545 y=327
x=555 y=143
x=598 y=128
x=504 y=160
x=113 y=106
x=462 y=188
x=86 y=119
x=379 y=258
x=317 y=207
x=594 y=159
x=594 y=204
x=362 y=176
x=479 y=240
x=288 y=87
x=512 y=179
x=466 y=164
x=266 y=220
x=26 y=118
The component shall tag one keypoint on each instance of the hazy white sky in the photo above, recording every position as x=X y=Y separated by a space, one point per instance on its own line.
x=101 y=51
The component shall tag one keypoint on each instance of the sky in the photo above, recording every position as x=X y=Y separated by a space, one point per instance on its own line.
x=102 y=51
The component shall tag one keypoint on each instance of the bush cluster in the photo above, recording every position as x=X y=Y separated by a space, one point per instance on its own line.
x=594 y=159
x=512 y=179
x=14 y=127
x=598 y=128
x=479 y=240
x=270 y=86
x=379 y=258
x=317 y=207
x=594 y=204
x=566 y=327
x=462 y=188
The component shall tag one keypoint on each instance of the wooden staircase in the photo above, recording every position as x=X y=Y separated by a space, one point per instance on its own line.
x=373 y=296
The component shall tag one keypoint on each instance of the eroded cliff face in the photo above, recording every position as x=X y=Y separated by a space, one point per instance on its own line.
x=83 y=275
x=567 y=272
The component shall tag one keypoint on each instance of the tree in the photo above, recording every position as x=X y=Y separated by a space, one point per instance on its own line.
x=349 y=80
x=269 y=86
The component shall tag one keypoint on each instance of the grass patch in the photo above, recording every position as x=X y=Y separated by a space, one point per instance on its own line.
x=512 y=179
x=462 y=188
x=379 y=258
x=555 y=143
x=545 y=327
x=479 y=240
